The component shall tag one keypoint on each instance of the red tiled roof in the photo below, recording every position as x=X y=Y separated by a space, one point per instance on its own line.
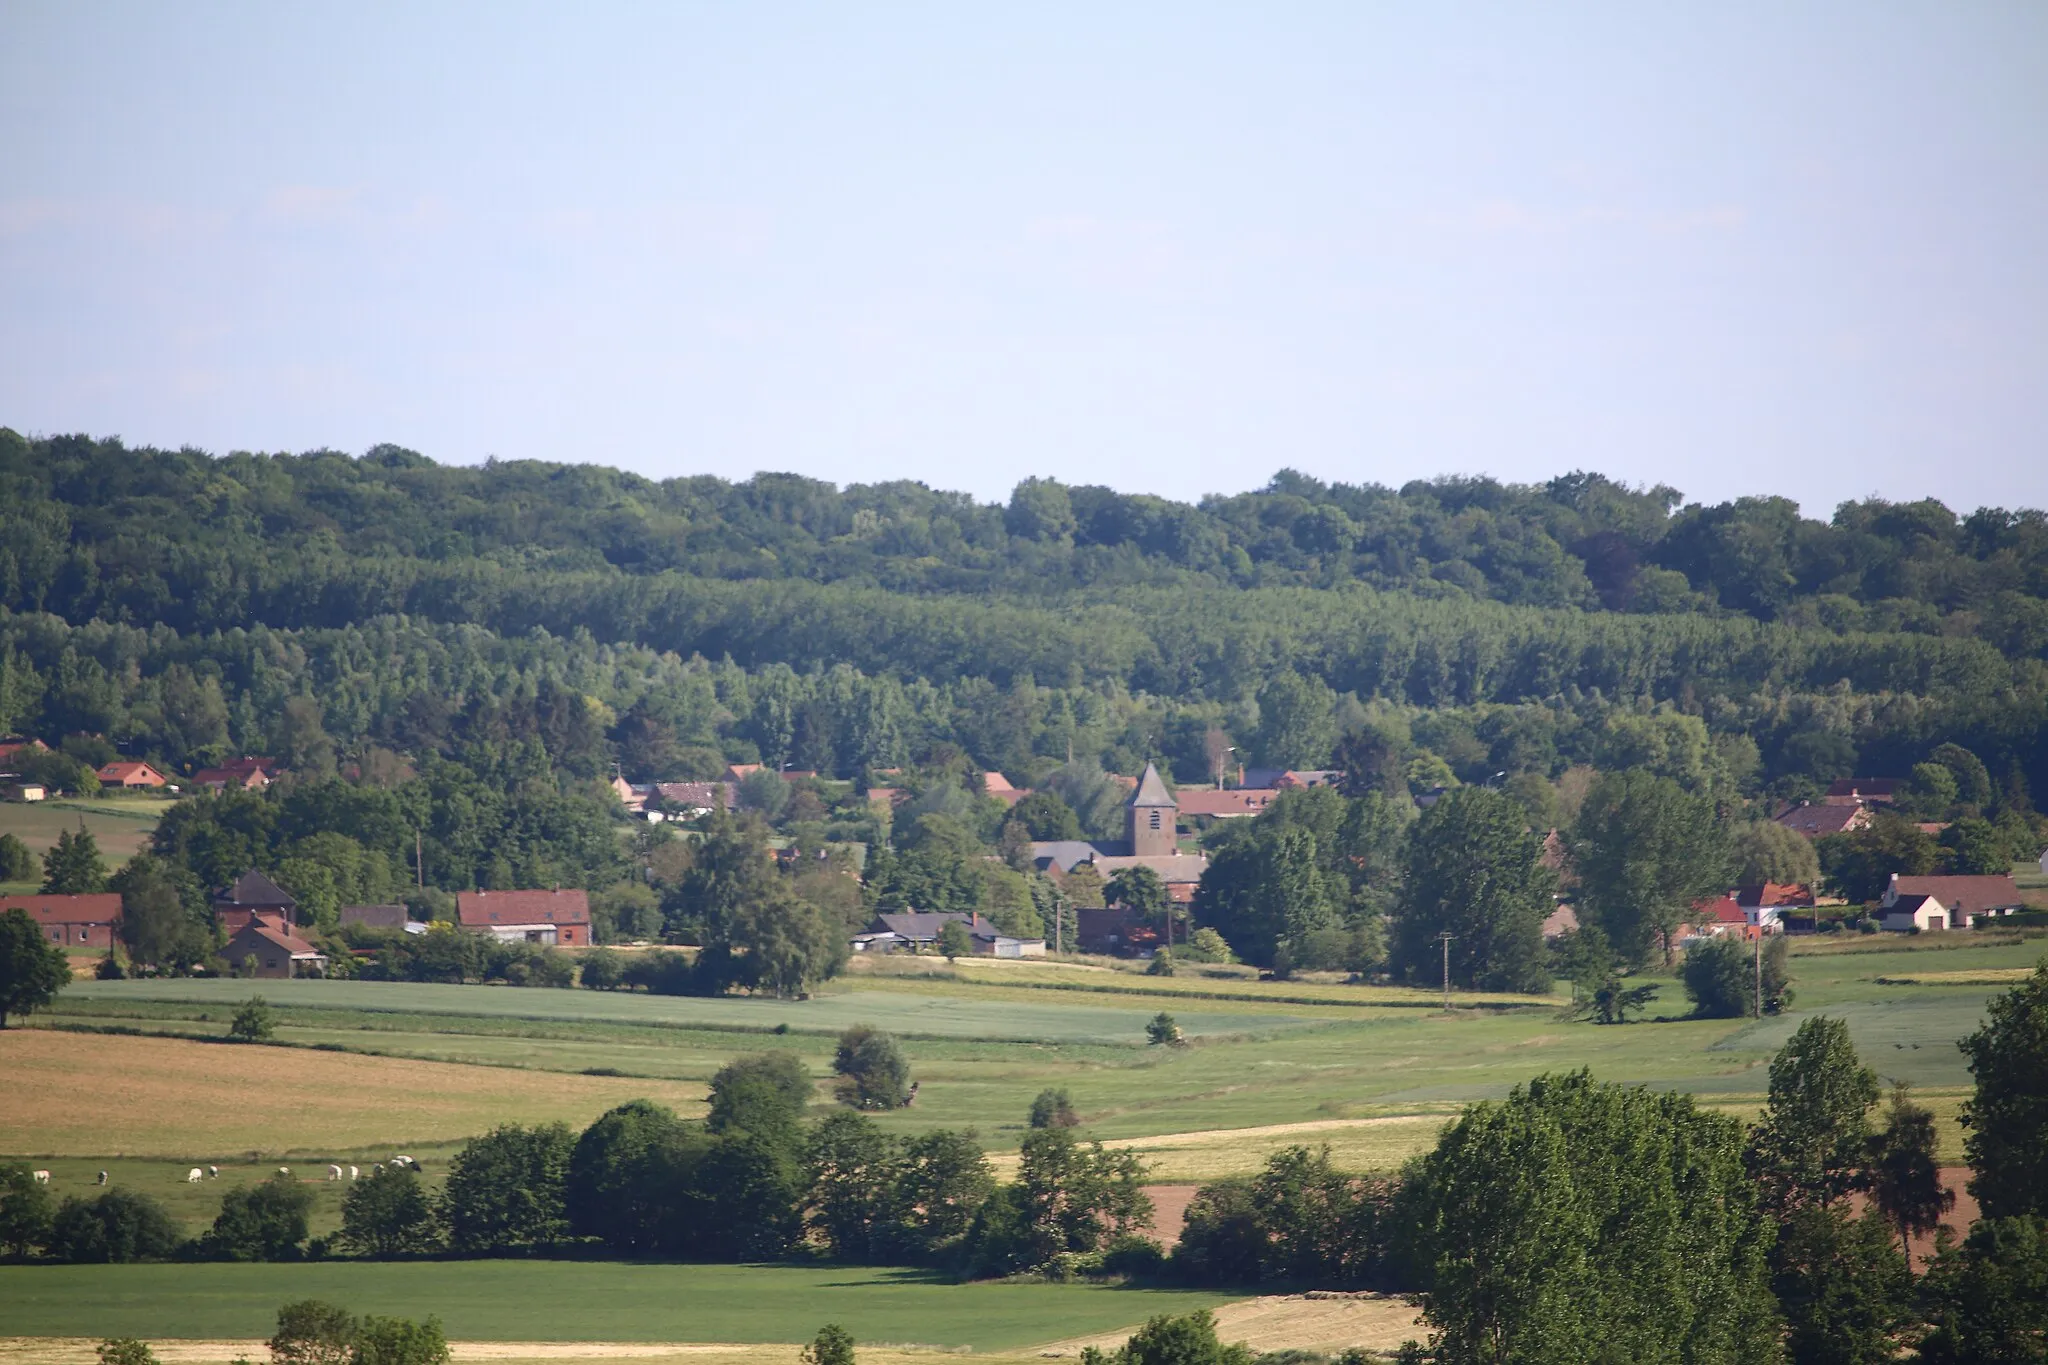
x=1720 y=910
x=102 y=908
x=1243 y=801
x=9 y=748
x=122 y=772
x=1774 y=894
x=291 y=943
x=485 y=908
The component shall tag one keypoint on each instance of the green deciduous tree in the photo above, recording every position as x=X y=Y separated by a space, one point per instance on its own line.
x=125 y=1351
x=1725 y=975
x=954 y=940
x=1905 y=1171
x=2006 y=1120
x=17 y=864
x=1297 y=721
x=1843 y=1286
x=1766 y=851
x=388 y=1214
x=263 y=1222
x=313 y=1332
x=32 y=969
x=508 y=1189
x=765 y=1094
x=1812 y=1146
x=1644 y=850
x=1987 y=1299
x=1859 y=865
x=1578 y=1221
x=117 y=1225
x=1475 y=871
x=872 y=1071
x=1187 y=1340
x=25 y=1209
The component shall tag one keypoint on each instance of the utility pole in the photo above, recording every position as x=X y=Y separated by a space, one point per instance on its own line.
x=419 y=860
x=1445 y=938
x=1759 y=972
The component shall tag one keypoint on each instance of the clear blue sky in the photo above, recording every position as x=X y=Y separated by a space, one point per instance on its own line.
x=1734 y=247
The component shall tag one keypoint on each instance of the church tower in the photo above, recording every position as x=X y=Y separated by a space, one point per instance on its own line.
x=1151 y=813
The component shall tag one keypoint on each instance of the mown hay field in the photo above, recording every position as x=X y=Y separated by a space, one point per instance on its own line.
x=74 y=1093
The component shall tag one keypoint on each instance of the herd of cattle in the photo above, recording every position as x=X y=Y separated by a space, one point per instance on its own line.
x=199 y=1173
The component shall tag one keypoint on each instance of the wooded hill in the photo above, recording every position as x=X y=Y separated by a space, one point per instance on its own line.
x=173 y=602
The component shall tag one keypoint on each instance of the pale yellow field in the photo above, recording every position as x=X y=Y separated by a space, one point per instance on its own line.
x=1376 y=1322
x=138 y=1096
x=1369 y=1144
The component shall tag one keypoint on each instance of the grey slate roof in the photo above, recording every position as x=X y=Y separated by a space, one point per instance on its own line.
x=1151 y=791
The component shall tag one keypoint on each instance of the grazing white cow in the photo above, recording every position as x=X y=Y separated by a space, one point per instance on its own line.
x=403 y=1161
x=42 y=1177
x=334 y=1172
x=194 y=1176
x=351 y=1173
x=284 y=1170
x=102 y=1180
x=213 y=1171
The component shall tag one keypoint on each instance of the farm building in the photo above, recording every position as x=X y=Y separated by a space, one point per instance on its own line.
x=259 y=949
x=241 y=774
x=1969 y=901
x=1904 y=914
x=378 y=917
x=918 y=930
x=74 y=921
x=554 y=917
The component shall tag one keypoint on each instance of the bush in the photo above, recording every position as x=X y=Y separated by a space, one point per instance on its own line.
x=1139 y=1258
x=1161 y=963
x=126 y=1351
x=110 y=968
x=832 y=1346
x=310 y=1332
x=1206 y=945
x=765 y=1094
x=116 y=1226
x=254 y=1022
x=1053 y=1109
x=265 y=1222
x=397 y=1341
x=1164 y=1032
x=1720 y=976
x=603 y=970
x=1189 y=1340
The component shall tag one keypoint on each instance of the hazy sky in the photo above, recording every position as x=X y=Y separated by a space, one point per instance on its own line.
x=1733 y=247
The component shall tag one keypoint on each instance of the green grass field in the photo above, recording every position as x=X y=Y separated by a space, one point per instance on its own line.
x=574 y=1301
x=120 y=825
x=985 y=1038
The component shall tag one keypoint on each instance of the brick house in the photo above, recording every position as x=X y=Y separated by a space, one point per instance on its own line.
x=74 y=921
x=553 y=917
x=241 y=774
x=131 y=776
x=262 y=949
x=253 y=898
